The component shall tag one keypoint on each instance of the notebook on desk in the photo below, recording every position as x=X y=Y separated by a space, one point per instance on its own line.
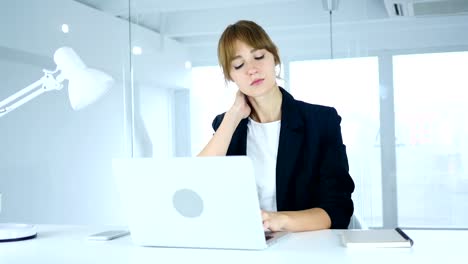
x=377 y=238
x=203 y=202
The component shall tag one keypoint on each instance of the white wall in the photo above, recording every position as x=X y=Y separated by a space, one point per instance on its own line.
x=55 y=164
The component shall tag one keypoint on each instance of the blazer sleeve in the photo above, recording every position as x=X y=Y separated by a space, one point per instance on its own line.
x=217 y=121
x=336 y=185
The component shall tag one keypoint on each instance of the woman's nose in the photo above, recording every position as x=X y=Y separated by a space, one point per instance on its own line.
x=252 y=69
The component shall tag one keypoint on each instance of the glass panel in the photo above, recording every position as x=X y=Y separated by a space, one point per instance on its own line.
x=351 y=86
x=65 y=155
x=161 y=78
x=432 y=157
x=53 y=157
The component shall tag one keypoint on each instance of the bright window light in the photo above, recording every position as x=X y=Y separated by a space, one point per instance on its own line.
x=432 y=147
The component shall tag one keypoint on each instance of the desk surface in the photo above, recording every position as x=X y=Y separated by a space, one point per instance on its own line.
x=68 y=244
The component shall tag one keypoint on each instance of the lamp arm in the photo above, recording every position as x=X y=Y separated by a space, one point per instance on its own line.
x=46 y=83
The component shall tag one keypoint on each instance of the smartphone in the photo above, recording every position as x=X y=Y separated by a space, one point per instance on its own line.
x=108 y=235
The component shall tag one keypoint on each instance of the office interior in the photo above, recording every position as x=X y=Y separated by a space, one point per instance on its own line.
x=395 y=71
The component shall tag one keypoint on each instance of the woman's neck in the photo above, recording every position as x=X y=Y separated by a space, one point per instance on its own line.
x=267 y=108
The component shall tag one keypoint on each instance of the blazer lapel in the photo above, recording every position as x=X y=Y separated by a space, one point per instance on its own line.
x=290 y=141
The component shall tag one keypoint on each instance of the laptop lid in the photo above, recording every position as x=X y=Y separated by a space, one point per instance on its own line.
x=202 y=202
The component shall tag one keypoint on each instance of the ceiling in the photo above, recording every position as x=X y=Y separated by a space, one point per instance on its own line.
x=195 y=22
x=198 y=24
x=191 y=21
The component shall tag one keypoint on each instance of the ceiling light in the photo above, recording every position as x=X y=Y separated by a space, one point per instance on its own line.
x=65 y=28
x=137 y=50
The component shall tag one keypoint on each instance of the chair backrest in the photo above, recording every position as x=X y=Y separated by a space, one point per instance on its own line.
x=356 y=222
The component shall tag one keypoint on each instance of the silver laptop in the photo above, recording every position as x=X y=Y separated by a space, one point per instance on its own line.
x=202 y=202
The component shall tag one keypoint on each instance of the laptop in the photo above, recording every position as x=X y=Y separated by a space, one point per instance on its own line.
x=196 y=202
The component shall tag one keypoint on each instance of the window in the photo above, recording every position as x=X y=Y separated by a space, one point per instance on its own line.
x=431 y=136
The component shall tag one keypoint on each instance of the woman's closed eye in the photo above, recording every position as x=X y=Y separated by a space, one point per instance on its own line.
x=260 y=57
x=238 y=66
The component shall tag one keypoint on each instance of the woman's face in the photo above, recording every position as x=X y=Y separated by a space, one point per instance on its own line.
x=253 y=70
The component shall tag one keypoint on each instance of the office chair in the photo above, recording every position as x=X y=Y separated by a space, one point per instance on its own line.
x=356 y=222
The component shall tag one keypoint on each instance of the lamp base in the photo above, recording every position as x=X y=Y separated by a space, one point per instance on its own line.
x=16 y=232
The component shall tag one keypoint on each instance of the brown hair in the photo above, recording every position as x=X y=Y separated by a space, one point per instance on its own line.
x=251 y=34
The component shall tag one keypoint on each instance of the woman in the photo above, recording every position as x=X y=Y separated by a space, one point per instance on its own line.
x=299 y=158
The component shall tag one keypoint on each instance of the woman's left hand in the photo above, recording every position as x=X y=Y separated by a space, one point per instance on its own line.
x=274 y=221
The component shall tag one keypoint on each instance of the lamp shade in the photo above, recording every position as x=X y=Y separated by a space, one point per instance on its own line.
x=85 y=85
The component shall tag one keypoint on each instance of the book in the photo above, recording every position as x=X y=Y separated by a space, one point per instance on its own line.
x=377 y=238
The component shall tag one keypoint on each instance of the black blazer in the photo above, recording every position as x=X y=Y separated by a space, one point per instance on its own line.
x=311 y=167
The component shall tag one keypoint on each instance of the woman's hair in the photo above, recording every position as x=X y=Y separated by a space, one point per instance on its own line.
x=251 y=34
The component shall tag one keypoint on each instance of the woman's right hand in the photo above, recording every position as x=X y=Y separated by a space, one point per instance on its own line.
x=241 y=108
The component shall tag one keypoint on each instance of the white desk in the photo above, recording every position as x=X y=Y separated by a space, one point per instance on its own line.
x=68 y=244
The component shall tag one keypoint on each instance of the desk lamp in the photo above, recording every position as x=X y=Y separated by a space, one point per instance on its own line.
x=85 y=86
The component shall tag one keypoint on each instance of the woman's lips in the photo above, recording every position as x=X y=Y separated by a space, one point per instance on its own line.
x=256 y=82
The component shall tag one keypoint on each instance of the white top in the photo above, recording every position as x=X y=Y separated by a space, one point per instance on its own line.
x=262 y=148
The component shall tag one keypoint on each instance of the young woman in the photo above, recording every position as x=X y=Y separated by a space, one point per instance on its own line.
x=299 y=158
